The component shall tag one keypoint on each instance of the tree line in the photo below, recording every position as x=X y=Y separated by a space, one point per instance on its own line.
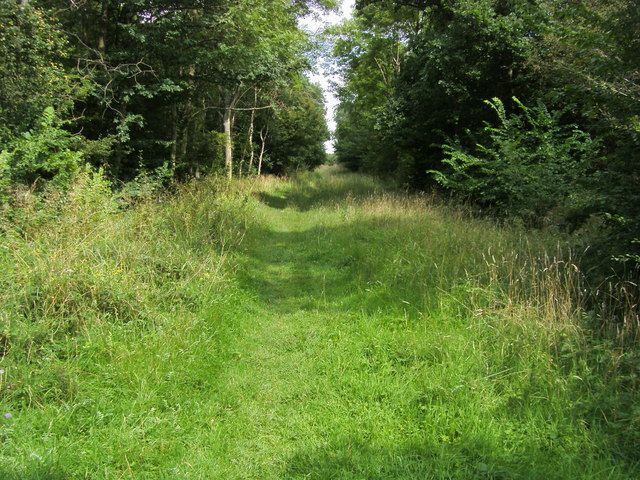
x=529 y=109
x=155 y=87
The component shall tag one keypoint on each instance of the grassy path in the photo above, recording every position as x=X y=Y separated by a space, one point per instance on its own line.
x=340 y=369
x=302 y=384
x=357 y=334
x=315 y=395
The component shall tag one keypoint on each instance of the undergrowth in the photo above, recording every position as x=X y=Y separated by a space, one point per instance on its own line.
x=78 y=267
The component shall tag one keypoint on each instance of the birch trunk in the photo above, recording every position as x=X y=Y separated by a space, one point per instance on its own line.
x=227 y=120
x=263 y=139
x=251 y=128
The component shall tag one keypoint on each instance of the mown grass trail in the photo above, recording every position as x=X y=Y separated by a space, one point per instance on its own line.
x=352 y=358
x=359 y=334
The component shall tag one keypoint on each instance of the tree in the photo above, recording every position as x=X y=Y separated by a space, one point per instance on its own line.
x=261 y=45
x=577 y=61
x=32 y=78
x=370 y=52
x=166 y=74
x=296 y=129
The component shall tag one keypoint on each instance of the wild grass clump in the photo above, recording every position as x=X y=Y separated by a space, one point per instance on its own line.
x=521 y=295
x=78 y=262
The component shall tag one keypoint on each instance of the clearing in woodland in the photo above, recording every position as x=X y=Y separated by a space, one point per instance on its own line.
x=358 y=333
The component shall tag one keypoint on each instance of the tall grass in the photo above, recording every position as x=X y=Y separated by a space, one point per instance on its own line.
x=75 y=265
x=522 y=291
x=135 y=336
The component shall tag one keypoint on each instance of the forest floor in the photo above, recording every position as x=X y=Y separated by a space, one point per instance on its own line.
x=352 y=343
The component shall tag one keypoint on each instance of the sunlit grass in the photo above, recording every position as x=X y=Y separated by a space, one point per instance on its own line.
x=325 y=326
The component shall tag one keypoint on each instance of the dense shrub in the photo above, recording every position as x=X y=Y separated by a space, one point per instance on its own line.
x=75 y=258
x=527 y=165
x=47 y=152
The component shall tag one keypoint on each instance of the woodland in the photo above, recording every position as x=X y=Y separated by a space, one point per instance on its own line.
x=136 y=88
x=193 y=286
x=527 y=109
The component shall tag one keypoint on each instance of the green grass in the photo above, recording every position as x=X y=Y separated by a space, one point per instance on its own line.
x=315 y=328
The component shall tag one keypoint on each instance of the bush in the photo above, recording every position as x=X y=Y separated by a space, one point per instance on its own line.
x=47 y=152
x=527 y=165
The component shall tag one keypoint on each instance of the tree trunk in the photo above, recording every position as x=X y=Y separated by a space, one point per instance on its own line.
x=228 y=146
x=241 y=164
x=251 y=128
x=263 y=139
x=104 y=23
x=174 y=138
x=185 y=142
x=230 y=101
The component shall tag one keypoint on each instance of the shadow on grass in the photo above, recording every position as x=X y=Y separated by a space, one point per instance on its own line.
x=307 y=193
x=41 y=472
x=290 y=272
x=460 y=461
x=273 y=201
x=322 y=268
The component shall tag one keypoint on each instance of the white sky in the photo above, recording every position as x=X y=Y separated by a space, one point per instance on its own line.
x=315 y=24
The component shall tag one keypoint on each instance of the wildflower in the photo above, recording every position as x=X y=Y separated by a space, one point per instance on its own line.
x=1 y=371
x=8 y=416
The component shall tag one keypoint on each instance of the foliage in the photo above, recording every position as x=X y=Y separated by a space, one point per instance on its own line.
x=32 y=52
x=577 y=58
x=48 y=152
x=370 y=51
x=146 y=185
x=591 y=62
x=145 y=81
x=530 y=164
x=292 y=147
